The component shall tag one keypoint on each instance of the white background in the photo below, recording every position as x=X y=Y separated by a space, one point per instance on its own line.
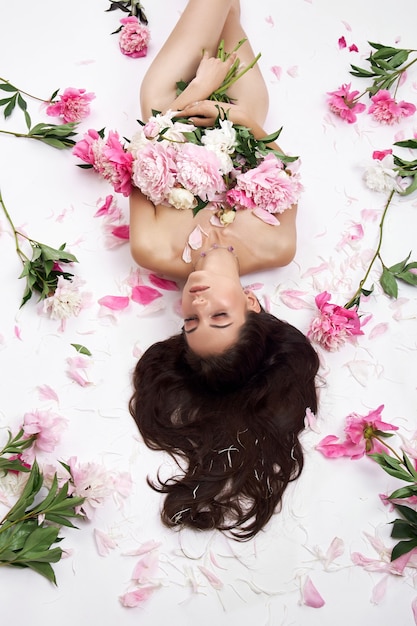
x=50 y=45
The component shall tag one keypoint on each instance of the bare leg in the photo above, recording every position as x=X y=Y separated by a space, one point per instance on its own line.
x=250 y=90
x=199 y=28
x=202 y=25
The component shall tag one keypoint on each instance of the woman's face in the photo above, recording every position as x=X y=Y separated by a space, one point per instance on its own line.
x=214 y=308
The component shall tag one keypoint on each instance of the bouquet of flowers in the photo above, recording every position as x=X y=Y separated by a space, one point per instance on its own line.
x=174 y=163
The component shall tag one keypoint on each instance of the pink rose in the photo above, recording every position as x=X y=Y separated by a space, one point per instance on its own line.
x=342 y=103
x=386 y=110
x=154 y=171
x=268 y=186
x=72 y=106
x=334 y=325
x=134 y=37
x=199 y=171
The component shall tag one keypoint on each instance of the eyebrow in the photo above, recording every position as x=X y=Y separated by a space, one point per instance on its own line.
x=187 y=332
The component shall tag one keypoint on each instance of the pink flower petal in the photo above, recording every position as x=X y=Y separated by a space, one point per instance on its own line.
x=277 y=71
x=342 y=43
x=144 y=548
x=266 y=216
x=104 y=542
x=146 y=567
x=379 y=591
x=17 y=332
x=292 y=299
x=215 y=582
x=335 y=550
x=47 y=393
x=121 y=232
x=143 y=294
x=311 y=596
x=115 y=303
x=378 y=330
x=254 y=286
x=186 y=255
x=414 y=609
x=163 y=283
x=195 y=238
x=293 y=71
x=134 y=598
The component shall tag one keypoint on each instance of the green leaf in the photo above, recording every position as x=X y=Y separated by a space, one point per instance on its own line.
x=404 y=492
x=8 y=87
x=81 y=349
x=392 y=466
x=408 y=277
x=408 y=513
x=388 y=283
x=44 y=569
x=401 y=529
x=32 y=487
x=399 y=267
x=408 y=143
x=402 y=548
x=10 y=107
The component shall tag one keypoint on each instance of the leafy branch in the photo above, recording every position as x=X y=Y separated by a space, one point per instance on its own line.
x=404 y=528
x=16 y=99
x=43 y=269
x=403 y=271
x=387 y=66
x=28 y=531
x=132 y=7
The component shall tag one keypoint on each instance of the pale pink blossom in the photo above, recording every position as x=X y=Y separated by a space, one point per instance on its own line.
x=362 y=436
x=387 y=110
x=134 y=37
x=47 y=427
x=268 y=186
x=343 y=103
x=67 y=300
x=334 y=325
x=108 y=157
x=199 y=171
x=72 y=106
x=154 y=171
x=96 y=484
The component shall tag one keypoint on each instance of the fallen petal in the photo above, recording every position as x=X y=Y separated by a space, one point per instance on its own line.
x=163 y=283
x=142 y=294
x=115 y=303
x=266 y=216
x=311 y=596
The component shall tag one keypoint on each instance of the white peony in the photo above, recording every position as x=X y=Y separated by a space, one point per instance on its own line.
x=381 y=176
x=181 y=198
x=221 y=141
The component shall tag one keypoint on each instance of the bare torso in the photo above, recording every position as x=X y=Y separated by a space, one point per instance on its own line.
x=258 y=245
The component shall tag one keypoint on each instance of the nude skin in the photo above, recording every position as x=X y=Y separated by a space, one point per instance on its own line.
x=158 y=234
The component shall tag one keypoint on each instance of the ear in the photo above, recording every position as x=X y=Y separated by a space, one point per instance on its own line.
x=252 y=302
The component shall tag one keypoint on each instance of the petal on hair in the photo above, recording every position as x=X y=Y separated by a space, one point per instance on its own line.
x=163 y=283
x=142 y=294
x=115 y=303
x=266 y=216
x=311 y=596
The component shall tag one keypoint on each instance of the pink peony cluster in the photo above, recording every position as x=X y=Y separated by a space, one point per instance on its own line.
x=134 y=37
x=267 y=187
x=108 y=157
x=73 y=105
x=334 y=325
x=386 y=110
x=46 y=427
x=344 y=103
x=362 y=436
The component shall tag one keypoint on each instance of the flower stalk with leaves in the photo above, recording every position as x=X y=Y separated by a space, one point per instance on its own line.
x=29 y=530
x=367 y=436
x=43 y=270
x=388 y=67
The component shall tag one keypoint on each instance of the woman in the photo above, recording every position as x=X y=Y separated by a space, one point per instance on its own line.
x=227 y=397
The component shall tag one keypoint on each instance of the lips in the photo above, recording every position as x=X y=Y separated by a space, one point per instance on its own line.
x=198 y=288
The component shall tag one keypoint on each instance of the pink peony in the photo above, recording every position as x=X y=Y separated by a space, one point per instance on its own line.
x=363 y=435
x=199 y=171
x=154 y=171
x=334 y=325
x=268 y=186
x=238 y=199
x=342 y=103
x=108 y=157
x=134 y=37
x=386 y=110
x=72 y=106
x=46 y=427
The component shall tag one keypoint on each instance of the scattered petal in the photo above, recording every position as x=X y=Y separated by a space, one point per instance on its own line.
x=292 y=299
x=47 y=393
x=215 y=582
x=311 y=596
x=115 y=303
x=134 y=598
x=266 y=216
x=104 y=542
x=143 y=294
x=378 y=592
x=163 y=283
x=277 y=71
x=378 y=330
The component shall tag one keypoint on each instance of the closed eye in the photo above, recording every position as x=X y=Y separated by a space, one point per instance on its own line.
x=190 y=327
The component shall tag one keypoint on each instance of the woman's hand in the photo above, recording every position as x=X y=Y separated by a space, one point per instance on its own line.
x=212 y=71
x=205 y=113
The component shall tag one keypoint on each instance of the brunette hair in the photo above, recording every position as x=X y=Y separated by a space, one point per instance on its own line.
x=231 y=421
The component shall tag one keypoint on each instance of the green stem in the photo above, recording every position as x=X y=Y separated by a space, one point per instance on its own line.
x=16 y=233
x=394 y=452
x=3 y=80
x=376 y=255
x=401 y=72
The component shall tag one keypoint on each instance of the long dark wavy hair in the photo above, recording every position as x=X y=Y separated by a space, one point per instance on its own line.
x=231 y=421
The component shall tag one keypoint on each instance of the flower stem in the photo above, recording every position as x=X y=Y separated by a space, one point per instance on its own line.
x=394 y=452
x=16 y=233
x=376 y=255
x=3 y=80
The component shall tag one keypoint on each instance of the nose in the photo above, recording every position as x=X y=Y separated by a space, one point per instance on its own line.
x=199 y=299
